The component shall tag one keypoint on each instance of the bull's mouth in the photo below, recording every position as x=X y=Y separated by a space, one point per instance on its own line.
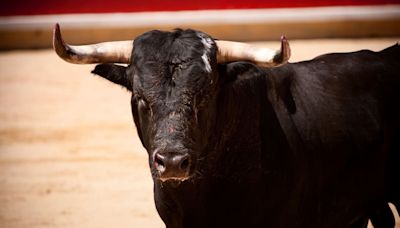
x=166 y=176
x=173 y=182
x=174 y=179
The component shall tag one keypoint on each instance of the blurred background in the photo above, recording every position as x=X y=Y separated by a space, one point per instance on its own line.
x=69 y=152
x=28 y=23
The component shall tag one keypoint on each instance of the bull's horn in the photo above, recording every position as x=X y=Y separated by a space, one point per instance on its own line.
x=107 y=52
x=229 y=51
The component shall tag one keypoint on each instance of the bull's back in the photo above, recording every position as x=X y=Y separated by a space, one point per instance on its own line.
x=345 y=111
x=364 y=83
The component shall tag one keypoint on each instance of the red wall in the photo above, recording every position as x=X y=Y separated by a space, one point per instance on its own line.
x=33 y=7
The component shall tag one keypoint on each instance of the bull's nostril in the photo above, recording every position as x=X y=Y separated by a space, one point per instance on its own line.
x=158 y=161
x=184 y=164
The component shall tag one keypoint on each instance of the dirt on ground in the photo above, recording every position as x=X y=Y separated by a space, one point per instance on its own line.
x=69 y=152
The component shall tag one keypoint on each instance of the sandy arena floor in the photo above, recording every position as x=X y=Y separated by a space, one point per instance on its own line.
x=69 y=153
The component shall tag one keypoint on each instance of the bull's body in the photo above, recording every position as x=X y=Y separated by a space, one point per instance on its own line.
x=302 y=145
x=308 y=144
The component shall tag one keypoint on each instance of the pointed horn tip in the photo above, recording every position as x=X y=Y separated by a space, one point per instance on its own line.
x=285 y=47
x=59 y=45
x=284 y=41
x=56 y=36
x=56 y=26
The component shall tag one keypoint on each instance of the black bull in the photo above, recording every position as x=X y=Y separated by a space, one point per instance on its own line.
x=307 y=144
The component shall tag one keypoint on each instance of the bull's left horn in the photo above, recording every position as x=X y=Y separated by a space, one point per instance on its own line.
x=229 y=51
x=107 y=52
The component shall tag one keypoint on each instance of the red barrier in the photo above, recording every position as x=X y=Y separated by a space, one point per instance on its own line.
x=33 y=7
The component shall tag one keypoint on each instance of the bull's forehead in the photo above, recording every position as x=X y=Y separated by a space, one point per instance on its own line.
x=174 y=47
x=180 y=61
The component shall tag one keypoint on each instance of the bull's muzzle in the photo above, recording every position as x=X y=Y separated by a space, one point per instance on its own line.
x=172 y=166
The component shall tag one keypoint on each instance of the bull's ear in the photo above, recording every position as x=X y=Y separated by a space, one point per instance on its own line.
x=114 y=73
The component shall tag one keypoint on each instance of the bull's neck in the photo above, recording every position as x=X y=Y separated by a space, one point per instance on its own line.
x=249 y=132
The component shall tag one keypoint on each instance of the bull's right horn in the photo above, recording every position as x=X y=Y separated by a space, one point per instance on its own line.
x=229 y=51
x=107 y=52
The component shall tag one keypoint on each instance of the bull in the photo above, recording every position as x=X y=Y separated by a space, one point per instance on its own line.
x=238 y=137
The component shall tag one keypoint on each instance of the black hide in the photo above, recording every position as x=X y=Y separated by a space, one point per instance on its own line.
x=308 y=144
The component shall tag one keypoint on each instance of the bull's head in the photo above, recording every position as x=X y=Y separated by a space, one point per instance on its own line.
x=174 y=81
